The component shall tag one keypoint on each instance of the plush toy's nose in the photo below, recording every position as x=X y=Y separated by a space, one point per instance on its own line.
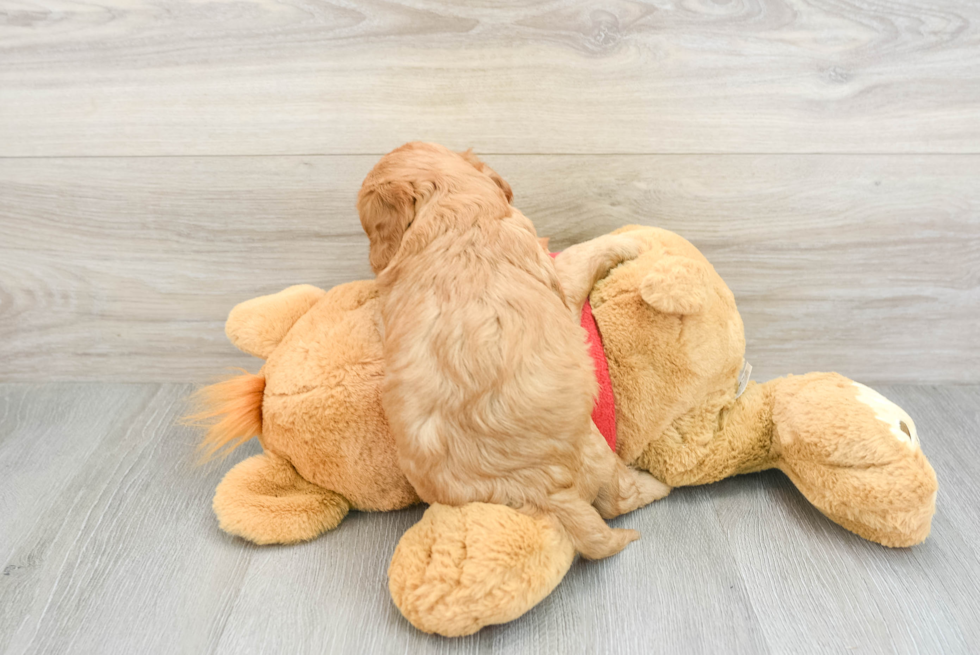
x=899 y=422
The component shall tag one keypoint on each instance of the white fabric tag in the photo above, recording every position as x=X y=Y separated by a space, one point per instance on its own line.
x=743 y=378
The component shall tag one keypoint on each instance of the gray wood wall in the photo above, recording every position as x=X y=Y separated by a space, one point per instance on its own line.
x=162 y=161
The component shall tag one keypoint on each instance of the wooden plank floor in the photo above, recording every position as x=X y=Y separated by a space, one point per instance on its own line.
x=108 y=544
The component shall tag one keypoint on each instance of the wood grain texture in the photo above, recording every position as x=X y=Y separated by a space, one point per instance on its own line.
x=124 y=269
x=35 y=465
x=177 y=77
x=112 y=548
x=125 y=561
x=796 y=563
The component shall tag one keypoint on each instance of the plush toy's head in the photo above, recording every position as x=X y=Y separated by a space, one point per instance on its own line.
x=672 y=335
x=674 y=342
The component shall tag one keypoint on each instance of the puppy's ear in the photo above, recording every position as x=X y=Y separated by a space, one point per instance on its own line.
x=386 y=210
x=483 y=168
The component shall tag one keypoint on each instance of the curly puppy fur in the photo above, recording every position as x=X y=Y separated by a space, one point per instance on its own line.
x=489 y=385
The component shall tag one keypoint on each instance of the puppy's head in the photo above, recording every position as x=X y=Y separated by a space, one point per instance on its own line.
x=486 y=170
x=396 y=191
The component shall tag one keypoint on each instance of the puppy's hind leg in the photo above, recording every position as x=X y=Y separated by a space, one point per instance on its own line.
x=588 y=532
x=631 y=489
x=624 y=488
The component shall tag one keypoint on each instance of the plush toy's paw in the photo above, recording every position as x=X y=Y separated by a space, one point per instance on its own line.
x=264 y=500
x=462 y=568
x=855 y=455
x=676 y=285
x=257 y=326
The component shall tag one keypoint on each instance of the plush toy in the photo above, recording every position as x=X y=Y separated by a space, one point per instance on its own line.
x=673 y=343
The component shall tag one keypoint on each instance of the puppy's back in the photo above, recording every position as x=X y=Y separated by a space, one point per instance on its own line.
x=483 y=349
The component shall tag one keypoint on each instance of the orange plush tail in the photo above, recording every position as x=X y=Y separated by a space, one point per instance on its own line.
x=231 y=410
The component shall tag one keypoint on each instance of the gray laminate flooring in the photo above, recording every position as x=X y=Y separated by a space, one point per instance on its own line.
x=108 y=545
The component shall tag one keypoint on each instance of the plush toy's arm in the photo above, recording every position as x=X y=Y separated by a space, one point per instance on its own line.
x=462 y=568
x=581 y=265
x=257 y=326
x=263 y=499
x=671 y=274
x=674 y=283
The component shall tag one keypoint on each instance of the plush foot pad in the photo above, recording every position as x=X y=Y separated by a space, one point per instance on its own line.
x=264 y=500
x=462 y=568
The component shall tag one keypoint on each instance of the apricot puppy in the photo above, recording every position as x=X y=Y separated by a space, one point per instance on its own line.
x=489 y=386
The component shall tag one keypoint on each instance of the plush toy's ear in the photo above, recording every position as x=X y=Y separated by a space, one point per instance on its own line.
x=494 y=175
x=386 y=210
x=676 y=285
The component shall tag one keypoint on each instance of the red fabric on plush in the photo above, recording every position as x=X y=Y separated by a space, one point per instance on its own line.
x=604 y=412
